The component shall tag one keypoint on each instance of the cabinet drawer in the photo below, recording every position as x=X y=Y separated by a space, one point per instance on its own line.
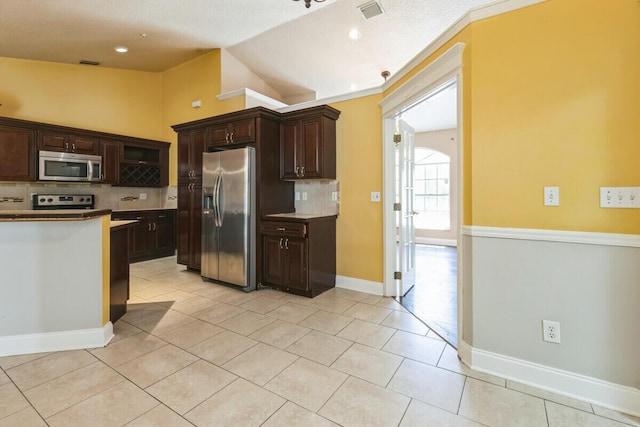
x=282 y=228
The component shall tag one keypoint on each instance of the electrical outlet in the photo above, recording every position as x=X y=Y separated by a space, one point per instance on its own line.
x=375 y=196
x=304 y=195
x=334 y=196
x=297 y=195
x=143 y=196
x=551 y=331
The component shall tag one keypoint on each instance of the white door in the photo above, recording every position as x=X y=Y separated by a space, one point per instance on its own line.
x=403 y=207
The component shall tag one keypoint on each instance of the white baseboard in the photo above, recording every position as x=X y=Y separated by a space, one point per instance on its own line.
x=56 y=341
x=359 y=285
x=613 y=396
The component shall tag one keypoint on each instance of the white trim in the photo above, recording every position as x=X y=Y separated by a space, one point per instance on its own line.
x=429 y=78
x=582 y=237
x=284 y=108
x=331 y=100
x=465 y=352
x=475 y=14
x=434 y=241
x=56 y=341
x=253 y=94
x=444 y=68
x=359 y=285
x=603 y=393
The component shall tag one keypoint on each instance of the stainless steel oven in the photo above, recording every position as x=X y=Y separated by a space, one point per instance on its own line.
x=55 y=166
x=63 y=201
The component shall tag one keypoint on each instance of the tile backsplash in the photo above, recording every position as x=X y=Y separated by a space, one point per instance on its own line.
x=18 y=196
x=319 y=198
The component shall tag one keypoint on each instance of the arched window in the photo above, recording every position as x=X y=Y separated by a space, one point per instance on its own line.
x=431 y=190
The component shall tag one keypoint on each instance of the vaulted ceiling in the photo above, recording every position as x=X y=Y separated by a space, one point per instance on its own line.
x=298 y=51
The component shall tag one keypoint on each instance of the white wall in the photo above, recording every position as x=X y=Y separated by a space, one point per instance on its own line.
x=236 y=75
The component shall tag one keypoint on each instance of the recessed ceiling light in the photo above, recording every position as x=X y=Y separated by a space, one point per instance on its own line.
x=122 y=49
x=354 y=34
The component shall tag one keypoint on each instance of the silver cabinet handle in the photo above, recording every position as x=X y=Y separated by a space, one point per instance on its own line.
x=302 y=171
x=226 y=137
x=286 y=244
x=297 y=170
x=149 y=225
x=231 y=137
x=154 y=226
x=281 y=247
x=73 y=147
x=280 y=228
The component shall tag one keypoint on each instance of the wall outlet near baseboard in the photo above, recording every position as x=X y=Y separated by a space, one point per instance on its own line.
x=551 y=331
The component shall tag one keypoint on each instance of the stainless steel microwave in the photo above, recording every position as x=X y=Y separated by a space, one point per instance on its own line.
x=56 y=166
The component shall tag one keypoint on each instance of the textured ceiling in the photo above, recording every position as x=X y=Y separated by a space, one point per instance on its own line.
x=297 y=51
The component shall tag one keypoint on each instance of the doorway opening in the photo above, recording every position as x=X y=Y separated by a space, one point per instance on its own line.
x=425 y=162
x=429 y=106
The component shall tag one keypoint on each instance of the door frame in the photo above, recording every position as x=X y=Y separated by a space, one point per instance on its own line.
x=444 y=68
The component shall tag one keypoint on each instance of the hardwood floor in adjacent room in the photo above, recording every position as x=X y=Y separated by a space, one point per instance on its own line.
x=434 y=298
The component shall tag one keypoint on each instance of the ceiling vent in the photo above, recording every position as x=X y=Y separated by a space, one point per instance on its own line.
x=370 y=9
x=87 y=62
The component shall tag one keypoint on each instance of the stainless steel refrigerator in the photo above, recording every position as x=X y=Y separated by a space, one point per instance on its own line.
x=228 y=217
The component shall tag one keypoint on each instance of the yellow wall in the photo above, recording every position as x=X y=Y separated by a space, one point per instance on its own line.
x=197 y=79
x=551 y=98
x=101 y=99
x=359 y=170
x=555 y=101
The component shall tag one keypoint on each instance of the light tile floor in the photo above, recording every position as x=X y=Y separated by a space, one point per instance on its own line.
x=190 y=352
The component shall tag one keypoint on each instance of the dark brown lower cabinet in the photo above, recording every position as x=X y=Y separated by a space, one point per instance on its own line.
x=153 y=236
x=299 y=256
x=119 y=269
x=189 y=239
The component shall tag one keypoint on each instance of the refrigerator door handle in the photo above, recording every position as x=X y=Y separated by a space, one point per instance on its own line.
x=216 y=207
x=218 y=200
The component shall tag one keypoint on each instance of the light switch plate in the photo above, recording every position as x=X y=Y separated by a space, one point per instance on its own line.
x=552 y=196
x=620 y=197
x=375 y=196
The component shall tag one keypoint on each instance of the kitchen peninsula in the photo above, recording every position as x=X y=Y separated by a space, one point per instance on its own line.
x=55 y=290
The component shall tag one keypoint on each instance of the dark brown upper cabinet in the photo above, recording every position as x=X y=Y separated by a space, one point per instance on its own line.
x=68 y=142
x=17 y=153
x=308 y=144
x=234 y=132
